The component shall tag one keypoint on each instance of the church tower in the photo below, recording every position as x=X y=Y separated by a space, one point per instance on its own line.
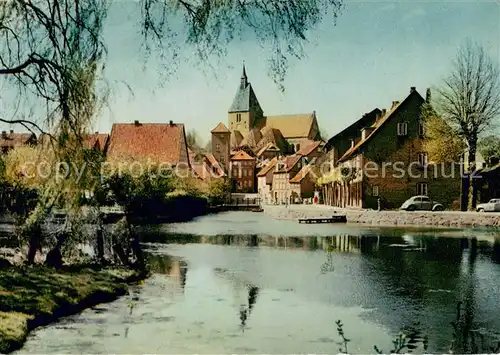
x=245 y=113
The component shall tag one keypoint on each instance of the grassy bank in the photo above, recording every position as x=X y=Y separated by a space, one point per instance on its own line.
x=33 y=297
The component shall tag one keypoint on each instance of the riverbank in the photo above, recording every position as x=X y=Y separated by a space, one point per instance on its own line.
x=388 y=218
x=36 y=296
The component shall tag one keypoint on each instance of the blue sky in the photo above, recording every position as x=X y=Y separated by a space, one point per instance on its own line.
x=375 y=53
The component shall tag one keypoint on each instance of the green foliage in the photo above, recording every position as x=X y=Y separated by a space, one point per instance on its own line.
x=442 y=142
x=489 y=147
x=219 y=191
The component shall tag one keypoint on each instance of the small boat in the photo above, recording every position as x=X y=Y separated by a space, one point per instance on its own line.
x=258 y=209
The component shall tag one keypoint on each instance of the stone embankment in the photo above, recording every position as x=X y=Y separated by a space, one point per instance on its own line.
x=388 y=218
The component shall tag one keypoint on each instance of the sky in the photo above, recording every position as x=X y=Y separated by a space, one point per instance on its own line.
x=372 y=56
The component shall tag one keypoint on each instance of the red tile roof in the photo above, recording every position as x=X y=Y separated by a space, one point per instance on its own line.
x=212 y=162
x=377 y=127
x=162 y=142
x=268 y=167
x=306 y=170
x=96 y=140
x=308 y=148
x=242 y=155
x=289 y=162
x=220 y=128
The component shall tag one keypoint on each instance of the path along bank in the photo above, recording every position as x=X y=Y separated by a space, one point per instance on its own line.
x=31 y=297
x=387 y=218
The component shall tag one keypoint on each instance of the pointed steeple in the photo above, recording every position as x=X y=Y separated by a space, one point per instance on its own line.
x=244 y=79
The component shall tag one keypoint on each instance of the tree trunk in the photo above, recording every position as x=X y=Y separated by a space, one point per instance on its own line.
x=35 y=239
x=472 y=193
x=135 y=246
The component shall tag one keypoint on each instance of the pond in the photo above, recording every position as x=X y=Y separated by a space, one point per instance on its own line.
x=241 y=282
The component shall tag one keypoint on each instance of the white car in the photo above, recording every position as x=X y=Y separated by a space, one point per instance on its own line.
x=492 y=206
x=422 y=203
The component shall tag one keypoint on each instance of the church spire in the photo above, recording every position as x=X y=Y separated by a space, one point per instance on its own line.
x=244 y=79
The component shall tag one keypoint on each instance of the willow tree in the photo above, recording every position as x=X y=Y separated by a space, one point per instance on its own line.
x=469 y=100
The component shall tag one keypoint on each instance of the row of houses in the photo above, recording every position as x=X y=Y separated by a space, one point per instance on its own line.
x=381 y=158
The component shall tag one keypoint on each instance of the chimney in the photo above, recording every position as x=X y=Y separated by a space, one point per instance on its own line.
x=428 y=96
x=171 y=122
x=413 y=89
x=365 y=132
x=136 y=122
x=394 y=104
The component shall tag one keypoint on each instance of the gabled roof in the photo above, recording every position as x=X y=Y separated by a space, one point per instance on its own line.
x=273 y=135
x=366 y=119
x=292 y=126
x=306 y=170
x=268 y=147
x=288 y=163
x=12 y=139
x=378 y=127
x=268 y=167
x=308 y=148
x=242 y=155
x=162 y=142
x=220 y=128
x=96 y=140
x=201 y=170
x=236 y=138
x=245 y=98
x=253 y=138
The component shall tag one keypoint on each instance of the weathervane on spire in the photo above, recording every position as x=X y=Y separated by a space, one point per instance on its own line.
x=244 y=79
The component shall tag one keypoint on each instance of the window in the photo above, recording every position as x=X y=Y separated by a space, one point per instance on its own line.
x=217 y=147
x=421 y=129
x=375 y=191
x=422 y=188
x=238 y=117
x=402 y=128
x=423 y=159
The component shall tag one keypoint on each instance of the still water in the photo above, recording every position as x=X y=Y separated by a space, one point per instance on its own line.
x=244 y=283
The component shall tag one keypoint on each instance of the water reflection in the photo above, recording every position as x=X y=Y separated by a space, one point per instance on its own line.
x=268 y=293
x=422 y=279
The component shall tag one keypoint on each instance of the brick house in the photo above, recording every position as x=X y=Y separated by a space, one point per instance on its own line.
x=265 y=181
x=303 y=184
x=387 y=161
x=242 y=172
x=161 y=143
x=284 y=171
x=11 y=140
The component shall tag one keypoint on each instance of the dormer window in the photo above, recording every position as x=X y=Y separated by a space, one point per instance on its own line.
x=402 y=129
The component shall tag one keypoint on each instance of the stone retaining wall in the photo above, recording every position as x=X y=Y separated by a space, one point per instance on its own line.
x=388 y=218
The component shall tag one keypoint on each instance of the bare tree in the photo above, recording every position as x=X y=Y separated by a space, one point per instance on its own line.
x=44 y=44
x=469 y=99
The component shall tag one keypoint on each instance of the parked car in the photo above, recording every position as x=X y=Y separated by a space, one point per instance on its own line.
x=492 y=205
x=422 y=203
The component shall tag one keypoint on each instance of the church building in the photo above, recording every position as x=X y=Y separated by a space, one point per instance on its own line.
x=249 y=127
